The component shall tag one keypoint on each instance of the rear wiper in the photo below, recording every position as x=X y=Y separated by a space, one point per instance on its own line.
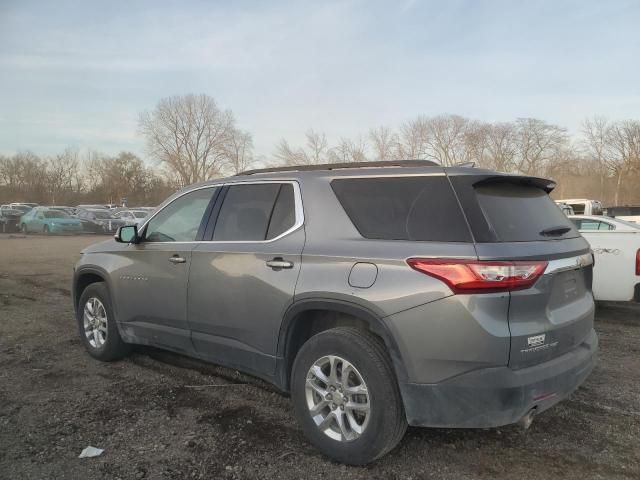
x=558 y=230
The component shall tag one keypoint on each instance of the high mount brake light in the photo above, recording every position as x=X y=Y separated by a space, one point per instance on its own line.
x=477 y=276
x=638 y=262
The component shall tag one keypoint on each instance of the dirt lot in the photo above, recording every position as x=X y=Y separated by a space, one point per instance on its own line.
x=159 y=415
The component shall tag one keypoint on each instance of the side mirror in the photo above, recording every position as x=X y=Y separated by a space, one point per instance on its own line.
x=127 y=234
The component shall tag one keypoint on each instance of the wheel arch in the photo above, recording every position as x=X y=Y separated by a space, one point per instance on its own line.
x=295 y=322
x=84 y=277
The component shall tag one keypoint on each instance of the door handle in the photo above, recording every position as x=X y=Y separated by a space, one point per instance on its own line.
x=278 y=263
x=177 y=259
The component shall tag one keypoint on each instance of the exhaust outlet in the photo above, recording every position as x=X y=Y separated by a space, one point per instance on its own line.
x=526 y=421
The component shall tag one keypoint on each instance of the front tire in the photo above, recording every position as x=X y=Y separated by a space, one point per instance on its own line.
x=45 y=230
x=97 y=325
x=23 y=229
x=345 y=396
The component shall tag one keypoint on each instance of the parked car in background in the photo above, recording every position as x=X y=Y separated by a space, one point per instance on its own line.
x=26 y=204
x=616 y=247
x=583 y=206
x=10 y=218
x=378 y=294
x=630 y=213
x=132 y=217
x=98 y=220
x=45 y=220
x=69 y=210
x=92 y=207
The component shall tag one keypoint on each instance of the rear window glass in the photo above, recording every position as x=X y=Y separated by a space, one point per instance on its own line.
x=403 y=208
x=520 y=213
x=245 y=212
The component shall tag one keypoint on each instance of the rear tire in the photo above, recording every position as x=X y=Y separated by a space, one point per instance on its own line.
x=45 y=230
x=97 y=324
x=365 y=436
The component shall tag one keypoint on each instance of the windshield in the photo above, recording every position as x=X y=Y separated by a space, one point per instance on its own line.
x=101 y=215
x=140 y=214
x=55 y=214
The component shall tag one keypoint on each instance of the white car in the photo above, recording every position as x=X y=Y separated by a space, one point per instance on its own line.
x=616 y=248
x=132 y=217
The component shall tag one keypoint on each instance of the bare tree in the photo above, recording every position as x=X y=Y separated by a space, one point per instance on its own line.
x=595 y=141
x=414 y=136
x=316 y=151
x=62 y=173
x=500 y=146
x=624 y=140
x=385 y=143
x=446 y=141
x=349 y=151
x=537 y=142
x=239 y=151
x=189 y=135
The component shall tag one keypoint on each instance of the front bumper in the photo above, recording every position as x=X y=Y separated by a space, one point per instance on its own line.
x=493 y=397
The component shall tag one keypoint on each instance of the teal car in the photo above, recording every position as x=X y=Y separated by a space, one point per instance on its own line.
x=46 y=220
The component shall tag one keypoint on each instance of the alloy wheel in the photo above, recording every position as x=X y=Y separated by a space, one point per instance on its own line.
x=337 y=398
x=95 y=322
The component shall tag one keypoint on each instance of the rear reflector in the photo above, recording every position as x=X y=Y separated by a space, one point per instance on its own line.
x=474 y=276
x=638 y=262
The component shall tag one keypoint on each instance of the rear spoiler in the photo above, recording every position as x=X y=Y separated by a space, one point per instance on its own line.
x=538 y=182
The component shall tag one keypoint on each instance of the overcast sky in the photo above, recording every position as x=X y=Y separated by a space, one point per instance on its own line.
x=79 y=73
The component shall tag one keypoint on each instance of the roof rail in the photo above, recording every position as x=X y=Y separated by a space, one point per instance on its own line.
x=336 y=166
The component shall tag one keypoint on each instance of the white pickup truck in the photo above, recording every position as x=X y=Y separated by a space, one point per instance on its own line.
x=616 y=247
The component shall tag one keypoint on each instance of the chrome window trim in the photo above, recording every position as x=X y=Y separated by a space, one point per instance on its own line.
x=569 y=263
x=298 y=223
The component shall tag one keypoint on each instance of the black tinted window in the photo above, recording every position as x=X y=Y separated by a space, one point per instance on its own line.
x=284 y=212
x=520 y=213
x=245 y=212
x=403 y=208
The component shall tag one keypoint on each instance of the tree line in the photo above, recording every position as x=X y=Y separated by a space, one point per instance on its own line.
x=190 y=139
x=602 y=162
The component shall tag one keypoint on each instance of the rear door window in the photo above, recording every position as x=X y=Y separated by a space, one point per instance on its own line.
x=521 y=213
x=255 y=212
x=403 y=208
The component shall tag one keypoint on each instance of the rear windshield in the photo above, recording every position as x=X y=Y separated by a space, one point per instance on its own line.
x=520 y=213
x=403 y=208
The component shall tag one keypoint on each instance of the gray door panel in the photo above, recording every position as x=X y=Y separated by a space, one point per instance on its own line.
x=152 y=293
x=237 y=301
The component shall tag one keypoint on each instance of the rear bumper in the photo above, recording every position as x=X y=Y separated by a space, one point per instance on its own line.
x=493 y=397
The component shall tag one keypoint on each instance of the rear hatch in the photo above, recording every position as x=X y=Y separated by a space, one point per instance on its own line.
x=512 y=218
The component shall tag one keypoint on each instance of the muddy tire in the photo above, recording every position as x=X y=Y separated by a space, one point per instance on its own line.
x=97 y=324
x=346 y=396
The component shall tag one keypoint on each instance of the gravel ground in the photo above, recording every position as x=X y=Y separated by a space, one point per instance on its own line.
x=160 y=415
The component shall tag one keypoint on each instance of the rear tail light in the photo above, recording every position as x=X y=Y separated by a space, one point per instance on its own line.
x=638 y=262
x=474 y=276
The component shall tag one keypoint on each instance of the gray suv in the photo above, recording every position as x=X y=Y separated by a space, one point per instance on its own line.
x=379 y=295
